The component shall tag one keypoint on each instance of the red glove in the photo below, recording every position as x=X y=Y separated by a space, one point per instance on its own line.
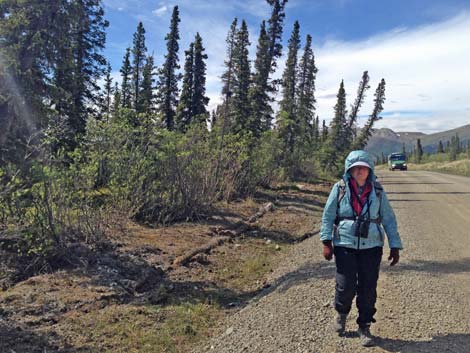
x=327 y=250
x=394 y=256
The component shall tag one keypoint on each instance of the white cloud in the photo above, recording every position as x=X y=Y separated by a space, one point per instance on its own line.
x=425 y=69
x=162 y=10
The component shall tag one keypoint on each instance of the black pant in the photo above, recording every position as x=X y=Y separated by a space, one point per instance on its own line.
x=357 y=272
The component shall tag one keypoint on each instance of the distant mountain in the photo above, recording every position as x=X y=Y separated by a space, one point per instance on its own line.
x=387 y=141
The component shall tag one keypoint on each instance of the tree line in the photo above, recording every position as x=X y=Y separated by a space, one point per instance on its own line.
x=449 y=150
x=72 y=153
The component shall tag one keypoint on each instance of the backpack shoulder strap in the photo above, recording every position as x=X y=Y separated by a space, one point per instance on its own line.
x=378 y=189
x=378 y=192
x=341 y=192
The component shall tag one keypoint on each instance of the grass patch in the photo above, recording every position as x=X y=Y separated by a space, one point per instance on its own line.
x=146 y=329
x=248 y=271
x=459 y=167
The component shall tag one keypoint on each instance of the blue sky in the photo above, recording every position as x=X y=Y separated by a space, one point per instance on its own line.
x=420 y=47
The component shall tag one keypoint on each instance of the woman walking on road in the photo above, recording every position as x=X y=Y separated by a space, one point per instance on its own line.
x=353 y=223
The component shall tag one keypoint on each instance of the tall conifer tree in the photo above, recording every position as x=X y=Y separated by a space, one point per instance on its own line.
x=108 y=91
x=352 y=119
x=167 y=95
x=226 y=115
x=367 y=131
x=126 y=72
x=259 y=93
x=440 y=148
x=419 y=151
x=139 y=52
x=317 y=131
x=116 y=99
x=200 y=99
x=333 y=148
x=306 y=90
x=29 y=37
x=324 y=132
x=147 y=96
x=268 y=51
x=289 y=124
x=241 y=82
x=88 y=37
x=184 y=111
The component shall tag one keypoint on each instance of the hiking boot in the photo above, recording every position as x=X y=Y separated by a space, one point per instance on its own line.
x=339 y=324
x=366 y=338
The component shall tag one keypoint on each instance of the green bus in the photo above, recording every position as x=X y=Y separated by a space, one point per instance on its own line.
x=397 y=161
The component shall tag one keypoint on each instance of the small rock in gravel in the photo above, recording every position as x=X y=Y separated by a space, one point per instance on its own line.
x=229 y=331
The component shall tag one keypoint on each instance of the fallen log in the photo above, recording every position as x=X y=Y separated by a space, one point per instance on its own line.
x=184 y=259
x=261 y=211
x=223 y=235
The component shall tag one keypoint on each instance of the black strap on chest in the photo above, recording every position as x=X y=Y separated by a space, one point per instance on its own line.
x=342 y=191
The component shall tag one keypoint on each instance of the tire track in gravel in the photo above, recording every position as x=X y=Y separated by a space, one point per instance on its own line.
x=423 y=303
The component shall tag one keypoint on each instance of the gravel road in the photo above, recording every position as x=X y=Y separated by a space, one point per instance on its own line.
x=423 y=302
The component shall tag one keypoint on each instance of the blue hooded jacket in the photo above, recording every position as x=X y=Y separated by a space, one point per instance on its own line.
x=343 y=233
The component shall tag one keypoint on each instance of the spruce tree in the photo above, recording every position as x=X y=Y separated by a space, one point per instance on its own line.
x=440 y=147
x=306 y=90
x=334 y=147
x=259 y=93
x=78 y=64
x=268 y=51
x=88 y=37
x=199 y=98
x=226 y=116
x=52 y=51
x=352 y=119
x=317 y=131
x=241 y=82
x=139 y=52
x=419 y=151
x=108 y=91
x=63 y=79
x=147 y=97
x=168 y=77
x=184 y=111
x=29 y=39
x=274 y=32
x=116 y=100
x=126 y=72
x=324 y=132
x=289 y=124
x=366 y=132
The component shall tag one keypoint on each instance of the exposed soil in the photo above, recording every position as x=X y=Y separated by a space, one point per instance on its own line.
x=125 y=296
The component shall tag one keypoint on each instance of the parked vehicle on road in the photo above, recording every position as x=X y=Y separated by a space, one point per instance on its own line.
x=397 y=161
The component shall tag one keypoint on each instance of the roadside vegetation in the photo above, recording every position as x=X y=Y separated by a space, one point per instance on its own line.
x=102 y=188
x=457 y=167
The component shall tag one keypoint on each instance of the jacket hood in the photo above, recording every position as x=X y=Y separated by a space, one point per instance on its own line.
x=359 y=156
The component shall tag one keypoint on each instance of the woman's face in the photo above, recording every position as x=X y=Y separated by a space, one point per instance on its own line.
x=360 y=174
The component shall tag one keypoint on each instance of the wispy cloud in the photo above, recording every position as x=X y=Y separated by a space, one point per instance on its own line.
x=425 y=69
x=162 y=10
